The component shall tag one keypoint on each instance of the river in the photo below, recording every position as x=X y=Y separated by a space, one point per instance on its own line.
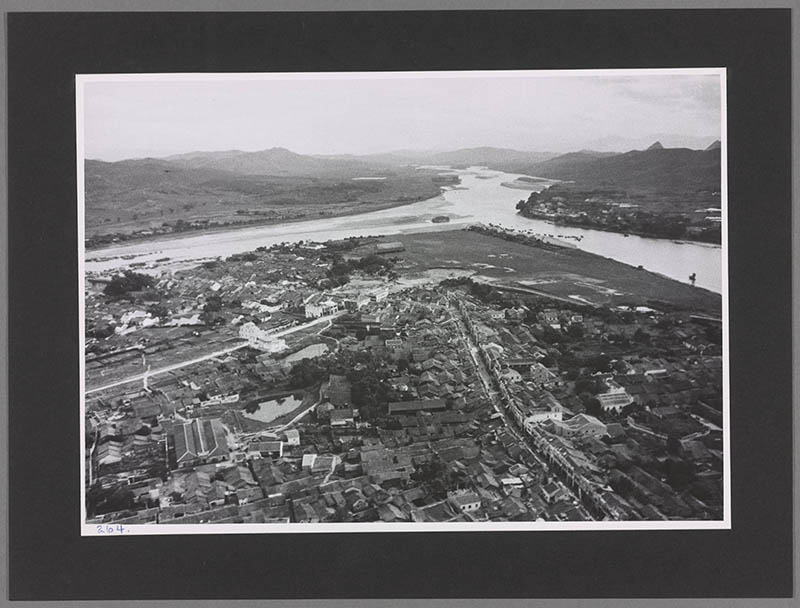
x=480 y=197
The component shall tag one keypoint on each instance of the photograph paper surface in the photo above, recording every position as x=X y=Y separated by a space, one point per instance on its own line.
x=403 y=301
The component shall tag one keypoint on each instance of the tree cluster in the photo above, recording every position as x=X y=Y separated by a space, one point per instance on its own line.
x=129 y=281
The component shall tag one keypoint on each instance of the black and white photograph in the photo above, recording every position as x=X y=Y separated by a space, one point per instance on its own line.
x=337 y=304
x=403 y=301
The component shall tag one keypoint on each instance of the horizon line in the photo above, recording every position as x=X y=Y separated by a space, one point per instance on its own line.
x=400 y=152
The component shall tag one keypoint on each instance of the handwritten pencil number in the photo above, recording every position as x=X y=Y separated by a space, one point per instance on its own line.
x=111 y=529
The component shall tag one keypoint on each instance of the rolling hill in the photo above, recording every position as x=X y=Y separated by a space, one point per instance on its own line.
x=656 y=169
x=495 y=158
x=565 y=162
x=145 y=174
x=231 y=188
x=275 y=161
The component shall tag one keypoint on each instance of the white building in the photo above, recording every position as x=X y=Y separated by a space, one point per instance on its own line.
x=133 y=316
x=538 y=415
x=511 y=375
x=313 y=311
x=615 y=398
x=512 y=486
x=466 y=502
x=260 y=339
x=316 y=307
x=292 y=437
x=379 y=294
x=220 y=399
x=582 y=425
x=550 y=316
x=308 y=461
x=545 y=407
x=259 y=307
x=329 y=307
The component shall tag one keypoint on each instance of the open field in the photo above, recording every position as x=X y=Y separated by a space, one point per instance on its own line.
x=114 y=207
x=560 y=272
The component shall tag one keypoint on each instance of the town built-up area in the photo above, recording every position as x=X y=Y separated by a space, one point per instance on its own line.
x=429 y=367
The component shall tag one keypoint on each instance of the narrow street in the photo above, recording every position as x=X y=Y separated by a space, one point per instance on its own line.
x=334 y=463
x=283 y=427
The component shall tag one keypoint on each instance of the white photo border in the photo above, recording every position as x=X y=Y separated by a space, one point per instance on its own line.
x=87 y=529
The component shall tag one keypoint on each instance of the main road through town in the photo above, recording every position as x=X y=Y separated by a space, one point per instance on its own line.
x=218 y=353
x=487 y=379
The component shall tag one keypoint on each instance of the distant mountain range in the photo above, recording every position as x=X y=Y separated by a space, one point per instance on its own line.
x=619 y=143
x=483 y=156
x=487 y=156
x=656 y=169
x=274 y=161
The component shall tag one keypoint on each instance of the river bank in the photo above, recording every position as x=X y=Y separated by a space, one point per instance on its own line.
x=480 y=198
x=683 y=216
x=566 y=222
x=166 y=236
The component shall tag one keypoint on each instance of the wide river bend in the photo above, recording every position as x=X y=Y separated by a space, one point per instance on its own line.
x=480 y=197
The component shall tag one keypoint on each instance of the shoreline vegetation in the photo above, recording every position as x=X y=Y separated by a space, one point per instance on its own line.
x=566 y=223
x=654 y=215
x=524 y=182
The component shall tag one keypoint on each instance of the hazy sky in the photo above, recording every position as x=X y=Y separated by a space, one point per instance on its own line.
x=379 y=113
